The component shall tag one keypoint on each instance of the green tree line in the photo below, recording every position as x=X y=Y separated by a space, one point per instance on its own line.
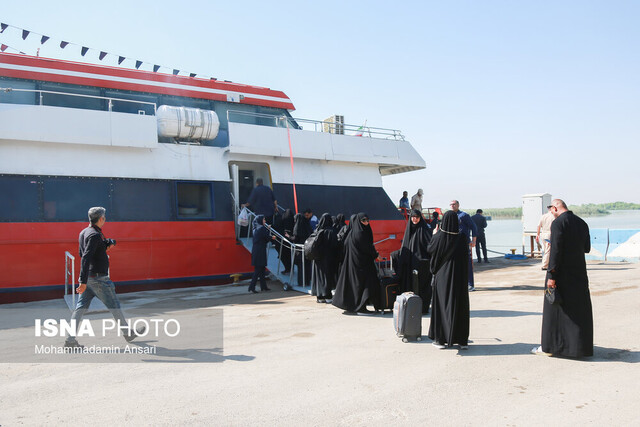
x=588 y=209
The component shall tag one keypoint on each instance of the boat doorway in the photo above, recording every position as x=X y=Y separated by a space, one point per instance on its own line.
x=243 y=180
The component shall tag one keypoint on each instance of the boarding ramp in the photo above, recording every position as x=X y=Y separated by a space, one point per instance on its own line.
x=274 y=254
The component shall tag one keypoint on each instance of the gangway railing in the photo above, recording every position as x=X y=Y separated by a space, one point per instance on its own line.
x=69 y=260
x=281 y=241
x=318 y=125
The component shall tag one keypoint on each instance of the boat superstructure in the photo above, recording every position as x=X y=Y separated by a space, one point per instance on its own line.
x=169 y=157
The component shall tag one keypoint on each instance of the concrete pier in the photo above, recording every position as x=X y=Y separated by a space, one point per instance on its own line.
x=288 y=360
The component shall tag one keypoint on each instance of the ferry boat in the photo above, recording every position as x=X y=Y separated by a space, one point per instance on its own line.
x=170 y=157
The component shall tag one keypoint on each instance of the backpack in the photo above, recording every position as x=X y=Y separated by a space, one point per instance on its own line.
x=312 y=247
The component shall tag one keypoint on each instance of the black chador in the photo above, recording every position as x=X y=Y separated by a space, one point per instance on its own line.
x=449 y=263
x=567 y=328
x=325 y=269
x=302 y=230
x=286 y=228
x=414 y=256
x=358 y=281
x=339 y=222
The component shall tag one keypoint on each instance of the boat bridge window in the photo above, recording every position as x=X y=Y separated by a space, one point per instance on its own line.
x=28 y=98
x=195 y=200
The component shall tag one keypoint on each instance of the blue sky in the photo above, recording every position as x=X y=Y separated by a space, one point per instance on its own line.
x=501 y=98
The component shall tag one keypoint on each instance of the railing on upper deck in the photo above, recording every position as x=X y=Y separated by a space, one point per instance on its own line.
x=109 y=104
x=318 y=126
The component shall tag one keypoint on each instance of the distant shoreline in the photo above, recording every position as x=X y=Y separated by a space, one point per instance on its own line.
x=589 y=209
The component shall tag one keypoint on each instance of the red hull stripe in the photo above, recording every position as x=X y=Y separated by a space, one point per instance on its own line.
x=27 y=67
x=32 y=254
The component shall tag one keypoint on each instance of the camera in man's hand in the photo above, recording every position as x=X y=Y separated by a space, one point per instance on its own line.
x=110 y=242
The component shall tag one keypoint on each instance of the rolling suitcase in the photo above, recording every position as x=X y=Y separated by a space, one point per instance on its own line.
x=389 y=290
x=407 y=316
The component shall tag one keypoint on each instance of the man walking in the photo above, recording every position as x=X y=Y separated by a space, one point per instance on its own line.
x=543 y=236
x=94 y=278
x=466 y=227
x=567 y=326
x=481 y=223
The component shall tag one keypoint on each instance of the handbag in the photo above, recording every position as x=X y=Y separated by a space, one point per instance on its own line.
x=552 y=296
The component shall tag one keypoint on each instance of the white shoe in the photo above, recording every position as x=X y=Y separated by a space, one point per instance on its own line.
x=472 y=288
x=436 y=345
x=538 y=351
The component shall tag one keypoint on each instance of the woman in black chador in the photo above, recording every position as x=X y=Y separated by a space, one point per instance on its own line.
x=449 y=263
x=259 y=254
x=302 y=230
x=286 y=229
x=414 y=256
x=358 y=281
x=339 y=222
x=325 y=269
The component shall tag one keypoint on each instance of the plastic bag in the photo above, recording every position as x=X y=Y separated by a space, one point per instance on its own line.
x=243 y=218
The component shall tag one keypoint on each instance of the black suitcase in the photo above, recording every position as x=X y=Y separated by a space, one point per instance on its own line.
x=389 y=290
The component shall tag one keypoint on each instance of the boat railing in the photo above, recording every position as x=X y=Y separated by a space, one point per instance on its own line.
x=282 y=121
x=110 y=100
x=280 y=240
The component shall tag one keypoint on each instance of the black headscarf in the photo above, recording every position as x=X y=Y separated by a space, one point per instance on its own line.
x=360 y=237
x=339 y=222
x=443 y=243
x=258 y=222
x=287 y=221
x=325 y=222
x=301 y=228
x=413 y=253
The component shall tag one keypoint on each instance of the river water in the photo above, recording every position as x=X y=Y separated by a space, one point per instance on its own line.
x=505 y=234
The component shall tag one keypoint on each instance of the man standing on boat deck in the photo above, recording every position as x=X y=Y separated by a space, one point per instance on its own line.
x=404 y=201
x=262 y=201
x=416 y=200
x=466 y=227
x=94 y=278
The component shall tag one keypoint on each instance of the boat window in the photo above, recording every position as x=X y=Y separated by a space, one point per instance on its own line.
x=19 y=199
x=70 y=101
x=195 y=200
x=131 y=107
x=17 y=97
x=141 y=200
x=69 y=199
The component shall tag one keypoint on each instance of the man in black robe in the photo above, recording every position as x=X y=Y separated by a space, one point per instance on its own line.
x=325 y=268
x=567 y=327
x=449 y=263
x=414 y=256
x=358 y=282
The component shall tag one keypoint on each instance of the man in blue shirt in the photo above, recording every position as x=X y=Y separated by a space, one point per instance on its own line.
x=466 y=227
x=404 y=202
x=262 y=201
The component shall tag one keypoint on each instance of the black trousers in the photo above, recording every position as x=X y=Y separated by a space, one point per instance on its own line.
x=258 y=274
x=481 y=240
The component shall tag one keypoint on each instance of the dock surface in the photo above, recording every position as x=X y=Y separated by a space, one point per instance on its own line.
x=287 y=360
